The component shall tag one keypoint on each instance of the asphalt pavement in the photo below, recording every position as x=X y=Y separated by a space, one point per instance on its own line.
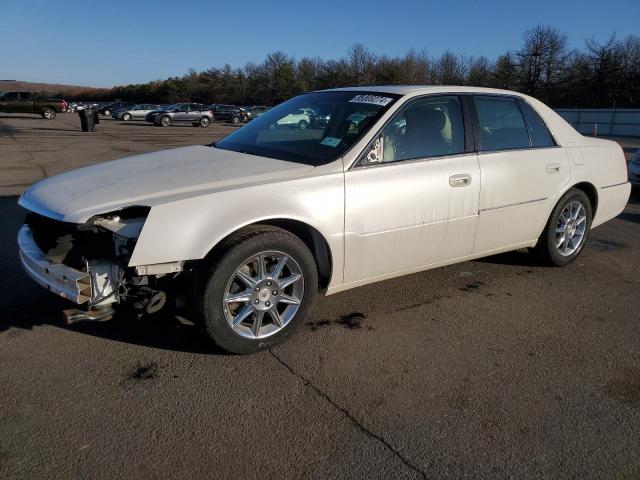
x=496 y=368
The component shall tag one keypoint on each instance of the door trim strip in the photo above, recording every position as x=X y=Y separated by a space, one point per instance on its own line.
x=513 y=204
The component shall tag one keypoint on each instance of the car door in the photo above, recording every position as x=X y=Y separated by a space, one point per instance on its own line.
x=413 y=201
x=522 y=170
x=194 y=113
x=11 y=102
x=181 y=112
x=137 y=111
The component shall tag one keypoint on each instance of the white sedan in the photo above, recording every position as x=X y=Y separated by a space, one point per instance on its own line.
x=250 y=228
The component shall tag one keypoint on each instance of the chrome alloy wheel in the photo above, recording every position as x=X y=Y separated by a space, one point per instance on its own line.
x=48 y=114
x=263 y=294
x=571 y=228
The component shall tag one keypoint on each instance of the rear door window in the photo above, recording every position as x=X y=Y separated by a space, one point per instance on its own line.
x=501 y=124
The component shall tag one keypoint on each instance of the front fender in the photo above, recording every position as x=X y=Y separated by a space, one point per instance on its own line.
x=189 y=229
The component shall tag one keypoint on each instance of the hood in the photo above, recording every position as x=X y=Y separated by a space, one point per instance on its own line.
x=152 y=179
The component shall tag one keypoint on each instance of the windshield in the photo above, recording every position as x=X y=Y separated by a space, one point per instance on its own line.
x=314 y=129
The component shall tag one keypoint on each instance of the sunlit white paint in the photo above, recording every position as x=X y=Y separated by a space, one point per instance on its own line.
x=379 y=222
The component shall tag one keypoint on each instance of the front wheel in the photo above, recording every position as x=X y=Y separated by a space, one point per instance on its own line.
x=126 y=117
x=49 y=113
x=567 y=230
x=165 y=121
x=257 y=290
x=204 y=122
x=302 y=124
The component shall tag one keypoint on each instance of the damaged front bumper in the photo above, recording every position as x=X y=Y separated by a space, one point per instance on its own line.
x=69 y=283
x=96 y=285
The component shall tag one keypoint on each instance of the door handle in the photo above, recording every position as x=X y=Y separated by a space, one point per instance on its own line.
x=553 y=168
x=460 y=180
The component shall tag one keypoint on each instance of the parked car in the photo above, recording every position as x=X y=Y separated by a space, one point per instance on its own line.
x=107 y=109
x=257 y=110
x=257 y=223
x=634 y=169
x=194 y=113
x=301 y=119
x=27 y=102
x=228 y=113
x=136 y=112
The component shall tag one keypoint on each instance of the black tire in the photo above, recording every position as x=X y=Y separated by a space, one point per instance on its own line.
x=204 y=122
x=48 y=113
x=303 y=124
x=212 y=279
x=165 y=121
x=546 y=249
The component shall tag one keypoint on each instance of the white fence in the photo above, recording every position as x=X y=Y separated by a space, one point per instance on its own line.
x=620 y=123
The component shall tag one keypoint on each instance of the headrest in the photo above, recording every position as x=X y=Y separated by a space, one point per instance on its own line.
x=425 y=119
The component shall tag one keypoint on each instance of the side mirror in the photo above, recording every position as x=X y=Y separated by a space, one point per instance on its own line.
x=375 y=154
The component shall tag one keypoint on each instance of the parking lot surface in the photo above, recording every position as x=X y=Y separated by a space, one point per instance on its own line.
x=496 y=368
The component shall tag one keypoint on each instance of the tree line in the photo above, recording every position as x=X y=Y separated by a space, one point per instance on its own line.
x=598 y=75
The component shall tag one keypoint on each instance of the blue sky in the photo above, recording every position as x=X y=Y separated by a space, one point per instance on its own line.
x=111 y=42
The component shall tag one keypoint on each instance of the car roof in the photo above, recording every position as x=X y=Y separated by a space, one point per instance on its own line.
x=422 y=89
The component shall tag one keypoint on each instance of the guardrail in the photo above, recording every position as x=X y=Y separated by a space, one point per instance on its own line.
x=600 y=121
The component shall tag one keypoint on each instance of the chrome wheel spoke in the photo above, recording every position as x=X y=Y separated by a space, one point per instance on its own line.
x=262 y=268
x=275 y=316
x=277 y=270
x=581 y=220
x=246 y=279
x=243 y=314
x=257 y=322
x=560 y=241
x=289 y=300
x=561 y=229
x=240 y=297
x=285 y=282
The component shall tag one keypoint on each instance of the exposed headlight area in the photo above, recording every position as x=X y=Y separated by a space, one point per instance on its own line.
x=88 y=263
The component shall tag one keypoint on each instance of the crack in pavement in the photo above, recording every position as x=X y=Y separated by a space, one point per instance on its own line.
x=347 y=414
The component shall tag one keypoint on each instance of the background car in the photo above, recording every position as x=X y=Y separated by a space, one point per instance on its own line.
x=137 y=112
x=106 y=110
x=301 y=118
x=228 y=113
x=256 y=110
x=28 y=102
x=194 y=113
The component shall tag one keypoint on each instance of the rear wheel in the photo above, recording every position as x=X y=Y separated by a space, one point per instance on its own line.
x=204 y=122
x=107 y=112
x=165 y=121
x=126 y=117
x=302 y=124
x=257 y=290
x=235 y=120
x=567 y=229
x=49 y=113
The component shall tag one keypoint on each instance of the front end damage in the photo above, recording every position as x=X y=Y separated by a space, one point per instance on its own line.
x=88 y=263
